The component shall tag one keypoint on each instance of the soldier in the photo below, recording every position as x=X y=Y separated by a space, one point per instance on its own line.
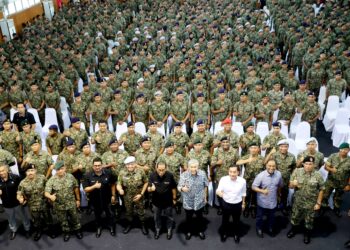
x=248 y=137
x=311 y=150
x=146 y=156
x=244 y=109
x=55 y=141
x=130 y=139
x=85 y=158
x=23 y=115
x=200 y=110
x=227 y=131
x=102 y=137
x=300 y=95
x=311 y=112
x=285 y=162
x=264 y=110
x=62 y=190
x=132 y=184
x=53 y=100
x=223 y=158
x=65 y=88
x=336 y=86
x=10 y=140
x=159 y=109
x=118 y=109
x=204 y=135
x=27 y=135
x=253 y=165
x=180 y=110
x=221 y=107
x=309 y=187
x=157 y=139
x=100 y=185
x=69 y=156
x=36 y=100
x=78 y=109
x=114 y=158
x=271 y=140
x=7 y=158
x=8 y=187
x=338 y=169
x=287 y=109
x=41 y=159
x=180 y=139
x=140 y=110
x=76 y=132
x=97 y=109
x=315 y=77
x=31 y=192
x=200 y=154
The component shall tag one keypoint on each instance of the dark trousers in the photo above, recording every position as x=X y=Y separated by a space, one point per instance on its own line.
x=168 y=213
x=270 y=215
x=228 y=210
x=284 y=196
x=191 y=225
x=98 y=210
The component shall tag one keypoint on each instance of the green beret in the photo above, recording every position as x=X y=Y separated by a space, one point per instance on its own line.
x=344 y=145
x=59 y=165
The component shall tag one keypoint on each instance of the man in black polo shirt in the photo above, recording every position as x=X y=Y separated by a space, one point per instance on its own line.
x=163 y=187
x=8 y=194
x=23 y=115
x=100 y=186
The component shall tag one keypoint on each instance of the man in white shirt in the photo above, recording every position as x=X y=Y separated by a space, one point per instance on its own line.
x=232 y=189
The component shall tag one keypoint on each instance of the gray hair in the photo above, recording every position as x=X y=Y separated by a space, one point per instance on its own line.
x=193 y=162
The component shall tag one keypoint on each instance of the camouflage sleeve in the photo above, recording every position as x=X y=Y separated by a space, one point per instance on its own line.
x=49 y=185
x=20 y=188
x=49 y=160
x=329 y=161
x=75 y=182
x=293 y=176
x=320 y=181
x=119 y=179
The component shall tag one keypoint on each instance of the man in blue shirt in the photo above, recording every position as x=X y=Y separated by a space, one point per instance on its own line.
x=267 y=184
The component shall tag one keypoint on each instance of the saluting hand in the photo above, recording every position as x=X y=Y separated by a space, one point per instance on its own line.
x=53 y=197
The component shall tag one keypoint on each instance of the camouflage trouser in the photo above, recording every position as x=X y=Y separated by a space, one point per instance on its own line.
x=69 y=220
x=337 y=197
x=299 y=213
x=132 y=208
x=41 y=218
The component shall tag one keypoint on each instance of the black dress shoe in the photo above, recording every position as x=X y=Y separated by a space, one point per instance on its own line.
x=188 y=236
x=112 y=230
x=156 y=234
x=223 y=237
x=272 y=232
x=169 y=234
x=259 y=232
x=306 y=238
x=144 y=229
x=347 y=244
x=201 y=235
x=98 y=232
x=127 y=229
x=66 y=237
x=291 y=233
x=236 y=238
x=12 y=235
x=37 y=236
x=79 y=234
x=51 y=233
x=219 y=212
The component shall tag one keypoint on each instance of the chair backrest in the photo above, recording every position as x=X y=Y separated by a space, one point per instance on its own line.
x=218 y=127
x=195 y=127
x=80 y=85
x=63 y=104
x=97 y=127
x=82 y=126
x=302 y=131
x=284 y=128
x=140 y=128
x=322 y=94
x=184 y=129
x=34 y=112
x=332 y=104
x=292 y=147
x=262 y=129
x=342 y=117
x=238 y=128
x=50 y=117
x=121 y=129
x=161 y=129
x=12 y=113
x=347 y=103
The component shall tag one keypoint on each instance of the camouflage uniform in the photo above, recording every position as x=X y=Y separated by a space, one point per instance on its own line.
x=140 y=112
x=267 y=109
x=206 y=138
x=117 y=158
x=200 y=111
x=246 y=139
x=78 y=110
x=42 y=161
x=99 y=111
x=55 y=143
x=9 y=142
x=122 y=108
x=132 y=183
x=79 y=136
x=202 y=157
x=102 y=145
x=26 y=140
x=336 y=87
x=131 y=142
x=180 y=141
x=319 y=158
x=6 y=157
x=64 y=205
x=305 y=196
x=229 y=158
x=69 y=159
x=310 y=111
x=245 y=109
x=272 y=140
x=86 y=161
x=218 y=104
x=286 y=111
x=157 y=141
x=232 y=136
x=159 y=110
x=146 y=157
x=174 y=162
x=337 y=180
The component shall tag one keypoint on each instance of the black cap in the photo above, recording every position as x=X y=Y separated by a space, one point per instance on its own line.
x=130 y=124
x=114 y=140
x=169 y=144
x=145 y=138
x=309 y=159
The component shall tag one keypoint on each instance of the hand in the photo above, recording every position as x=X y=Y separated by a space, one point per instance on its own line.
x=28 y=159
x=0 y=192
x=18 y=138
x=222 y=109
x=295 y=183
x=97 y=185
x=137 y=197
x=220 y=193
x=77 y=203
x=185 y=189
x=98 y=139
x=21 y=200
x=243 y=205
x=317 y=207
x=346 y=189
x=159 y=124
x=113 y=200
x=265 y=191
x=174 y=201
x=53 y=197
x=121 y=192
x=220 y=162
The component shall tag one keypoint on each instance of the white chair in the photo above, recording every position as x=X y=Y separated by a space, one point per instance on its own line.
x=238 y=128
x=63 y=104
x=302 y=135
x=121 y=129
x=97 y=127
x=12 y=113
x=347 y=103
x=331 y=112
x=80 y=85
x=195 y=127
x=161 y=130
x=218 y=127
x=50 y=119
x=82 y=126
x=54 y=158
x=262 y=129
x=140 y=128
x=110 y=124
x=284 y=128
x=14 y=168
x=91 y=128
x=341 y=128
x=275 y=115
x=38 y=126
x=292 y=147
x=321 y=100
x=293 y=125
x=184 y=128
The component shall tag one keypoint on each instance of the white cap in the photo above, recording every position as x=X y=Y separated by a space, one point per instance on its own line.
x=162 y=38
x=137 y=32
x=99 y=33
x=152 y=66
x=129 y=159
x=119 y=32
x=135 y=39
x=149 y=37
x=311 y=139
x=283 y=142
x=158 y=93
x=140 y=80
x=260 y=30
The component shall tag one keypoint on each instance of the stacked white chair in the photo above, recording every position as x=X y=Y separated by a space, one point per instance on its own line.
x=38 y=126
x=50 y=119
x=140 y=128
x=14 y=168
x=284 y=128
x=262 y=129
x=65 y=113
x=302 y=135
x=341 y=128
x=12 y=113
x=218 y=127
x=331 y=112
x=346 y=104
x=161 y=130
x=294 y=124
x=195 y=127
x=110 y=124
x=322 y=99
x=292 y=147
x=238 y=128
x=121 y=128
x=184 y=129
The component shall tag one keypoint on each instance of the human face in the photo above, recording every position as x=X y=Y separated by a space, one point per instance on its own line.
x=233 y=173
x=201 y=127
x=161 y=168
x=177 y=129
x=7 y=126
x=114 y=147
x=276 y=130
x=71 y=148
x=35 y=147
x=61 y=172
x=311 y=146
x=131 y=129
x=225 y=144
x=97 y=167
x=308 y=166
x=86 y=149
x=153 y=128
x=193 y=168
x=131 y=166
x=103 y=127
x=344 y=152
x=30 y=173
x=170 y=150
x=198 y=147
x=146 y=145
x=271 y=167
x=4 y=172
x=227 y=127
x=254 y=150
x=283 y=148
x=20 y=108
